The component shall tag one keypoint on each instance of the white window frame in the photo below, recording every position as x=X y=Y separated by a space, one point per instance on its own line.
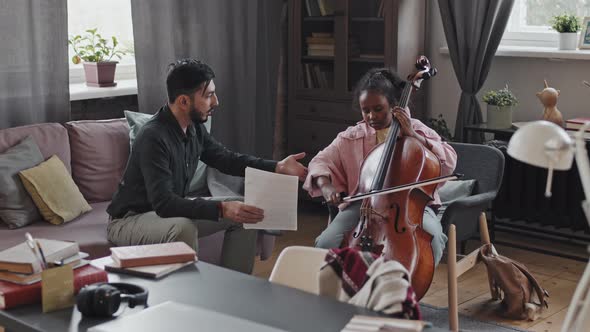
x=125 y=73
x=528 y=36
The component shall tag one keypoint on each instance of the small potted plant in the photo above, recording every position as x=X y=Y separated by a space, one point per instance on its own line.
x=568 y=27
x=440 y=126
x=499 y=107
x=96 y=52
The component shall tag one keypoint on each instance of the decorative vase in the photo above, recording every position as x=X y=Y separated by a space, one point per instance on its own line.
x=100 y=74
x=568 y=41
x=499 y=116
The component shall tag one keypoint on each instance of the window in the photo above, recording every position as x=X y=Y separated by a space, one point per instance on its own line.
x=111 y=18
x=529 y=22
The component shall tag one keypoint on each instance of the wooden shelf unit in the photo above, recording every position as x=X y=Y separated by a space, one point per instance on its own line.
x=319 y=93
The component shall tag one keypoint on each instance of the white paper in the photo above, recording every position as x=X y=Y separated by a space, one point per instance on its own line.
x=276 y=194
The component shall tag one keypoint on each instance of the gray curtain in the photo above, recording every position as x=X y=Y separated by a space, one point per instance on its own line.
x=280 y=131
x=473 y=30
x=34 y=76
x=239 y=39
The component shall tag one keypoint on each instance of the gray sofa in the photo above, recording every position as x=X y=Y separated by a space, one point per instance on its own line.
x=95 y=153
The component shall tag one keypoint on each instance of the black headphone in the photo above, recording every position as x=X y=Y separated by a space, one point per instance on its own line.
x=104 y=299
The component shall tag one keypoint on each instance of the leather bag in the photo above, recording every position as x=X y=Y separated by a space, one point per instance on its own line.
x=521 y=294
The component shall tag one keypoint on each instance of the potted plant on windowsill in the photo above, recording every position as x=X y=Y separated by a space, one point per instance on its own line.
x=568 y=27
x=499 y=107
x=96 y=52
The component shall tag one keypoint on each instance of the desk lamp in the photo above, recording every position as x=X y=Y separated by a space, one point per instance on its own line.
x=545 y=144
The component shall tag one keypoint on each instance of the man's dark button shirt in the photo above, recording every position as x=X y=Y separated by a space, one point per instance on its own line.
x=161 y=164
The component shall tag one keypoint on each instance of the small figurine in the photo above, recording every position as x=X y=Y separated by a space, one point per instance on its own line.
x=548 y=98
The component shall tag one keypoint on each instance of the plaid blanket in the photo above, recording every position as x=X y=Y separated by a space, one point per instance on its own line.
x=365 y=279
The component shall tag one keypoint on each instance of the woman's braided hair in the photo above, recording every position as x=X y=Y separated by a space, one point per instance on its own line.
x=381 y=80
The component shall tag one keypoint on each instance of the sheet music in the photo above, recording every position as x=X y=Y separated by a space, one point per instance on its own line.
x=276 y=194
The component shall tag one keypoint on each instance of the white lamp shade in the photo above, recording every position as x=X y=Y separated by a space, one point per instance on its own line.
x=542 y=144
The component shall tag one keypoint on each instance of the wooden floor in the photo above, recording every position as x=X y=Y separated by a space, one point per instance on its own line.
x=558 y=275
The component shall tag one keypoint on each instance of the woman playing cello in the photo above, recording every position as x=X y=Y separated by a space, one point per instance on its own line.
x=337 y=168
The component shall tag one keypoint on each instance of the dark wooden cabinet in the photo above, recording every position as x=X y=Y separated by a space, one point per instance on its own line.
x=330 y=49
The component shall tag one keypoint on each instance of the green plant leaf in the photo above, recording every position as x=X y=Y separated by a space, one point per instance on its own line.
x=565 y=23
x=502 y=97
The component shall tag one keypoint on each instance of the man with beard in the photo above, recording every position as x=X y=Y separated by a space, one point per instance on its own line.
x=150 y=205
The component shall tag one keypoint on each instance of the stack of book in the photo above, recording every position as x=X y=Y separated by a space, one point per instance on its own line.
x=20 y=270
x=575 y=124
x=152 y=260
x=320 y=44
x=323 y=44
x=20 y=266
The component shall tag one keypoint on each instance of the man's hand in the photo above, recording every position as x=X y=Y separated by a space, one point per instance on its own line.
x=331 y=195
x=290 y=166
x=242 y=213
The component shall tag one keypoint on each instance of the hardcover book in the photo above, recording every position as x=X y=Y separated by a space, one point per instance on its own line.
x=153 y=254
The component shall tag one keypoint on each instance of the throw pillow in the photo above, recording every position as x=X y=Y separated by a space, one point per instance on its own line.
x=198 y=183
x=452 y=191
x=16 y=207
x=136 y=120
x=54 y=192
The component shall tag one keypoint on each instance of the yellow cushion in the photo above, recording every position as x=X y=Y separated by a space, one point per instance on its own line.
x=54 y=192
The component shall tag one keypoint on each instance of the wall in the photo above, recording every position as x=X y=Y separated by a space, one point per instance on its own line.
x=524 y=76
x=103 y=108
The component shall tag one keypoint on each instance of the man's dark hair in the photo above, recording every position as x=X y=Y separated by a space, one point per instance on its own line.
x=187 y=76
x=381 y=80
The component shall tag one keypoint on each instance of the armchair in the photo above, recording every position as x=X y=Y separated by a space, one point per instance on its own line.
x=486 y=165
x=475 y=161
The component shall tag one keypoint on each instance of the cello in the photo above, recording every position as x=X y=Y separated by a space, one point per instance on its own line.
x=397 y=180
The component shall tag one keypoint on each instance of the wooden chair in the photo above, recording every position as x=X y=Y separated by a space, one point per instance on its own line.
x=298 y=267
x=458 y=268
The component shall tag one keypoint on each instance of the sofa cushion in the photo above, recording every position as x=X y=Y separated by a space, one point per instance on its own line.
x=89 y=230
x=52 y=139
x=54 y=192
x=100 y=149
x=16 y=207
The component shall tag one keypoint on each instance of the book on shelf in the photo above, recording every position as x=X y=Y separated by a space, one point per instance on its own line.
x=20 y=258
x=150 y=271
x=317 y=76
x=13 y=295
x=320 y=47
x=153 y=254
x=326 y=7
x=322 y=35
x=320 y=40
x=313 y=8
x=315 y=52
x=75 y=262
x=576 y=123
x=371 y=56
